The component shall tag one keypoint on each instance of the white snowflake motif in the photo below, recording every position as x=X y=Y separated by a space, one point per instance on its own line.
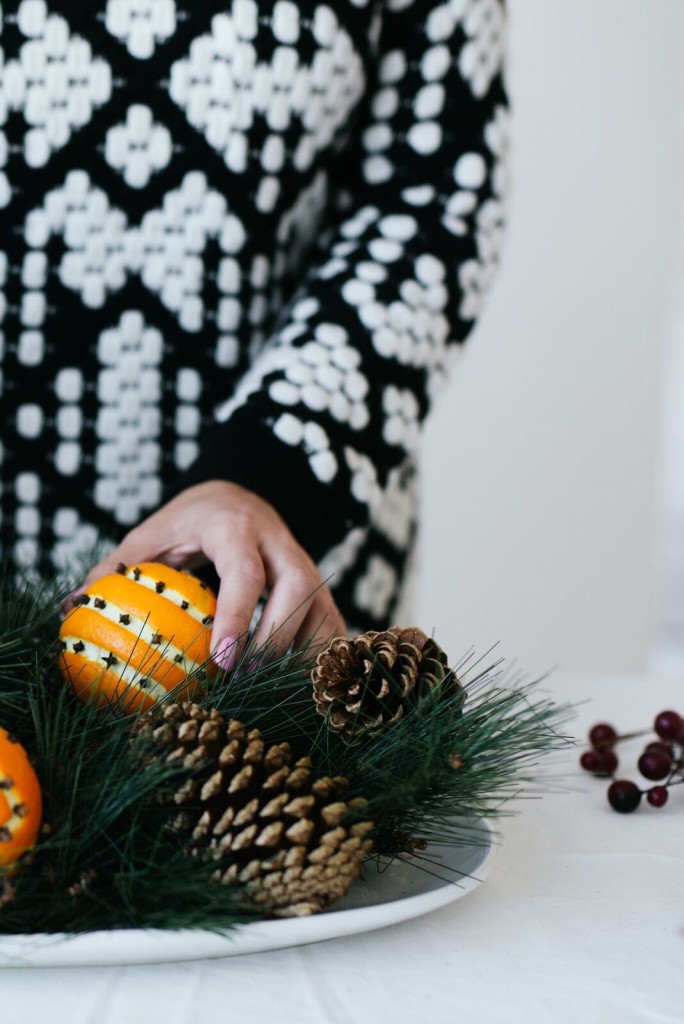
x=484 y=24
x=55 y=82
x=470 y=173
x=424 y=136
x=392 y=509
x=482 y=57
x=396 y=514
x=27 y=519
x=313 y=439
x=402 y=426
x=351 y=230
x=339 y=559
x=477 y=275
x=30 y=420
x=458 y=207
x=139 y=147
x=128 y=422
x=223 y=86
x=141 y=24
x=187 y=420
x=413 y=328
x=31 y=340
x=74 y=540
x=322 y=374
x=165 y=249
x=68 y=388
x=375 y=589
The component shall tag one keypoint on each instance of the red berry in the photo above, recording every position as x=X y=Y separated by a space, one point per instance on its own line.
x=663 y=748
x=667 y=725
x=608 y=762
x=602 y=735
x=654 y=765
x=599 y=762
x=624 y=796
x=657 y=796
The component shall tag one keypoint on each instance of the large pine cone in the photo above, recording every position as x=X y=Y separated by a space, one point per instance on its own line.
x=267 y=823
x=364 y=684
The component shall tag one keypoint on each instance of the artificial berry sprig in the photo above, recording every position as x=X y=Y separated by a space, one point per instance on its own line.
x=661 y=761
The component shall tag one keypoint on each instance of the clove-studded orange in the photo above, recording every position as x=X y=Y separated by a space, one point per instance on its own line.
x=137 y=635
x=20 y=803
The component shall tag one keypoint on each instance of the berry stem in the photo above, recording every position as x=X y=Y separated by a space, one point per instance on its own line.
x=632 y=735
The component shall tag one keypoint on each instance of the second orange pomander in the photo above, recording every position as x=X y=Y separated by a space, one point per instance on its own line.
x=137 y=635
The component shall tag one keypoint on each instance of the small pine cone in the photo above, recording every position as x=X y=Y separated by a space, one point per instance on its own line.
x=364 y=684
x=269 y=826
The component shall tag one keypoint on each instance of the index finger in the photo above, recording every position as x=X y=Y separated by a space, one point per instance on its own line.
x=242 y=582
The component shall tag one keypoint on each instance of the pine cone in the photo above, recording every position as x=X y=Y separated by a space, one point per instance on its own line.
x=267 y=823
x=364 y=684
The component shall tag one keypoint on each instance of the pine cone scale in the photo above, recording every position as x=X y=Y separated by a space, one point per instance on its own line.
x=272 y=835
x=365 y=684
x=263 y=819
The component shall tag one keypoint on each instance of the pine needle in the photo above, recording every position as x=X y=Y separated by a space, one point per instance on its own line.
x=108 y=858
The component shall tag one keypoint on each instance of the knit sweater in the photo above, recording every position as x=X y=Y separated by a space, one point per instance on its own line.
x=239 y=240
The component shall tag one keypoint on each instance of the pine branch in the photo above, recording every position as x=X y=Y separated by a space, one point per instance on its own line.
x=109 y=857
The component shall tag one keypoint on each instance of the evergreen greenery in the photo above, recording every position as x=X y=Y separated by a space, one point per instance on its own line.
x=107 y=857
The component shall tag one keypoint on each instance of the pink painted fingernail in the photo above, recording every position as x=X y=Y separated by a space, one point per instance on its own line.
x=226 y=652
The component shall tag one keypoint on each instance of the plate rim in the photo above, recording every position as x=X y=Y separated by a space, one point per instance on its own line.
x=27 y=949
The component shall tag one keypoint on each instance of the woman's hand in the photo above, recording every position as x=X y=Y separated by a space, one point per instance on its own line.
x=252 y=550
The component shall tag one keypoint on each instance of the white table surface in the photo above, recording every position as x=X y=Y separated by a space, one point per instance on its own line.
x=581 y=920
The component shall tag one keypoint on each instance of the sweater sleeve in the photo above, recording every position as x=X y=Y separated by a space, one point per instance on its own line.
x=335 y=399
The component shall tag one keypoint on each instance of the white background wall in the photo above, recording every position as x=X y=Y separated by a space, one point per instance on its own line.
x=541 y=459
x=670 y=523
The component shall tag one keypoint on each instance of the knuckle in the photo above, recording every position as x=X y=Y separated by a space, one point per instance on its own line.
x=227 y=524
x=251 y=568
x=303 y=579
x=235 y=624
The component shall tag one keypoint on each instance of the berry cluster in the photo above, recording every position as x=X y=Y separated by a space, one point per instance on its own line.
x=661 y=761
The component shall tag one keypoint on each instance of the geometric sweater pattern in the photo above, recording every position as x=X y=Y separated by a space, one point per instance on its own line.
x=241 y=241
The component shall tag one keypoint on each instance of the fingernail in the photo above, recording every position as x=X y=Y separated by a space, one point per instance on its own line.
x=225 y=653
x=245 y=670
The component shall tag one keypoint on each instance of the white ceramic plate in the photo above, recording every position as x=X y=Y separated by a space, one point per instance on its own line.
x=405 y=889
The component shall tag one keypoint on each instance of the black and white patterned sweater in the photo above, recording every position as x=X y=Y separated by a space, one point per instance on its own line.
x=239 y=240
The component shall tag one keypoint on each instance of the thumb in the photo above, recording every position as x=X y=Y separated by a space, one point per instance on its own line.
x=135 y=547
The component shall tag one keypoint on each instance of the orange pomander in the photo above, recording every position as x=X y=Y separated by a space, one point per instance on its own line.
x=21 y=804
x=138 y=634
